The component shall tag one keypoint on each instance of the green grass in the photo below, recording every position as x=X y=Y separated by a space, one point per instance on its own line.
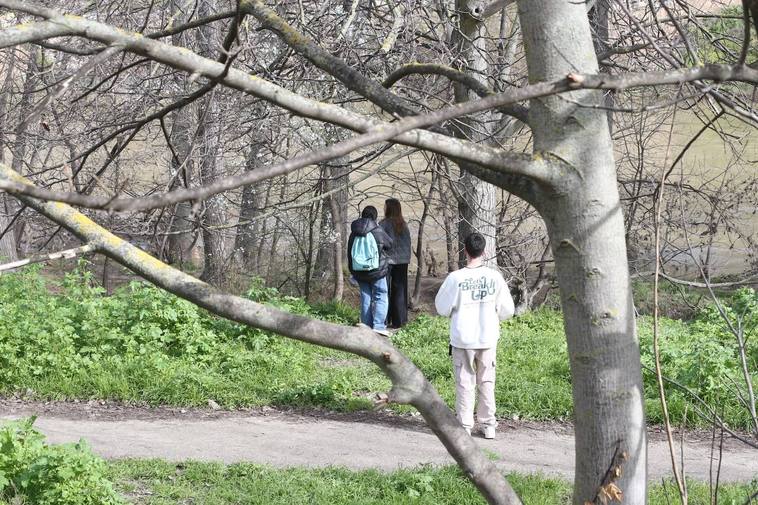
x=161 y=483
x=144 y=345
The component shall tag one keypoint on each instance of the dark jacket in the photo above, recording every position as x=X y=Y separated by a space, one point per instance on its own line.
x=361 y=227
x=401 y=243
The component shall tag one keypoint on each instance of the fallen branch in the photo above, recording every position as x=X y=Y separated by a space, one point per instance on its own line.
x=67 y=254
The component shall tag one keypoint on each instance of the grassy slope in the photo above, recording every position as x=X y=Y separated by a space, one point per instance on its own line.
x=144 y=345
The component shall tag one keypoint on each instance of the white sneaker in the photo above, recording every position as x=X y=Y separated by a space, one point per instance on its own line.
x=488 y=432
x=383 y=333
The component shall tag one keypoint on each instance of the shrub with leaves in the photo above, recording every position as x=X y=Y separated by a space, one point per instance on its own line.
x=33 y=472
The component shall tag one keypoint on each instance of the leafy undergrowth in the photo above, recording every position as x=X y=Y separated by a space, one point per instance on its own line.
x=160 y=483
x=36 y=473
x=144 y=345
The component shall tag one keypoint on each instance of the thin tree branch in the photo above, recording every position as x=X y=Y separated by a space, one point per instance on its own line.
x=67 y=254
x=327 y=62
x=538 y=169
x=487 y=157
x=517 y=111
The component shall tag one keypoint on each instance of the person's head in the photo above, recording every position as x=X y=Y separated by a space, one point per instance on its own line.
x=474 y=245
x=369 y=212
x=394 y=213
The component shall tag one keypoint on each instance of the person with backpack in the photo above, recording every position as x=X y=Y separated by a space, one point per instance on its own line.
x=398 y=259
x=367 y=248
x=477 y=298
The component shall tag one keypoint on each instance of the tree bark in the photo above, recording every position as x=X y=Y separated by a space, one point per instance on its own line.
x=333 y=224
x=214 y=215
x=477 y=200
x=246 y=239
x=426 y=202
x=181 y=240
x=8 y=251
x=9 y=245
x=210 y=137
x=585 y=224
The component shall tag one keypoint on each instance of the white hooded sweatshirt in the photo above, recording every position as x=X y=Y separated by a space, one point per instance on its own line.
x=477 y=299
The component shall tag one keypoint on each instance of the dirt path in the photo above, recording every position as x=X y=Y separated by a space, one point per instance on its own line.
x=289 y=439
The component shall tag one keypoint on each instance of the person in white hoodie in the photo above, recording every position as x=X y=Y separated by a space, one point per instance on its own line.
x=477 y=298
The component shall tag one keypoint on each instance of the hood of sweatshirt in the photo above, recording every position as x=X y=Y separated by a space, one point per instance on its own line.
x=363 y=226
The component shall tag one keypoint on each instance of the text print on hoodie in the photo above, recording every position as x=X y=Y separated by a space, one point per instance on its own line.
x=477 y=299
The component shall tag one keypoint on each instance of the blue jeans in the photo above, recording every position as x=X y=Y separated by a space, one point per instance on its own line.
x=374 y=303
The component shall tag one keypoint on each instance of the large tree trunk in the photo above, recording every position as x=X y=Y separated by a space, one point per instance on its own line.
x=339 y=274
x=420 y=264
x=211 y=136
x=181 y=240
x=335 y=177
x=477 y=200
x=214 y=215
x=586 y=228
x=247 y=233
x=8 y=205
x=12 y=239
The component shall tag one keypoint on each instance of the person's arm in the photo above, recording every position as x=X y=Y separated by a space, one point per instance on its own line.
x=447 y=297
x=349 y=252
x=384 y=239
x=505 y=308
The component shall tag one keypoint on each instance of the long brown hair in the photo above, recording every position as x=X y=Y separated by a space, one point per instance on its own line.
x=394 y=213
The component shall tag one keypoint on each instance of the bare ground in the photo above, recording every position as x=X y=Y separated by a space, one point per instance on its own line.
x=360 y=440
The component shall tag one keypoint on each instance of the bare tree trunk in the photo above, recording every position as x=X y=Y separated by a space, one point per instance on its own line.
x=274 y=253
x=450 y=240
x=586 y=228
x=477 y=200
x=426 y=202
x=325 y=252
x=181 y=240
x=339 y=276
x=8 y=205
x=9 y=245
x=210 y=138
x=214 y=251
x=329 y=258
x=246 y=239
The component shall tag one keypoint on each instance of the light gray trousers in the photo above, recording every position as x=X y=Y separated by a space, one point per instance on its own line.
x=474 y=369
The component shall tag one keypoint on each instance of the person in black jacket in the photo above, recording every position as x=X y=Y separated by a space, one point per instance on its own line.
x=398 y=258
x=372 y=283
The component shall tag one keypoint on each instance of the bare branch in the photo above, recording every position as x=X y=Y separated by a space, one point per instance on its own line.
x=327 y=62
x=537 y=169
x=67 y=254
x=188 y=61
x=31 y=32
x=518 y=111
x=494 y=7
x=693 y=284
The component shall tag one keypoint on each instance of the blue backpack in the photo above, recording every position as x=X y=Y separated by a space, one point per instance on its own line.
x=365 y=253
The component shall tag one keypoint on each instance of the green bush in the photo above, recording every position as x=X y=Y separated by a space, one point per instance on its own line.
x=34 y=472
x=143 y=344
